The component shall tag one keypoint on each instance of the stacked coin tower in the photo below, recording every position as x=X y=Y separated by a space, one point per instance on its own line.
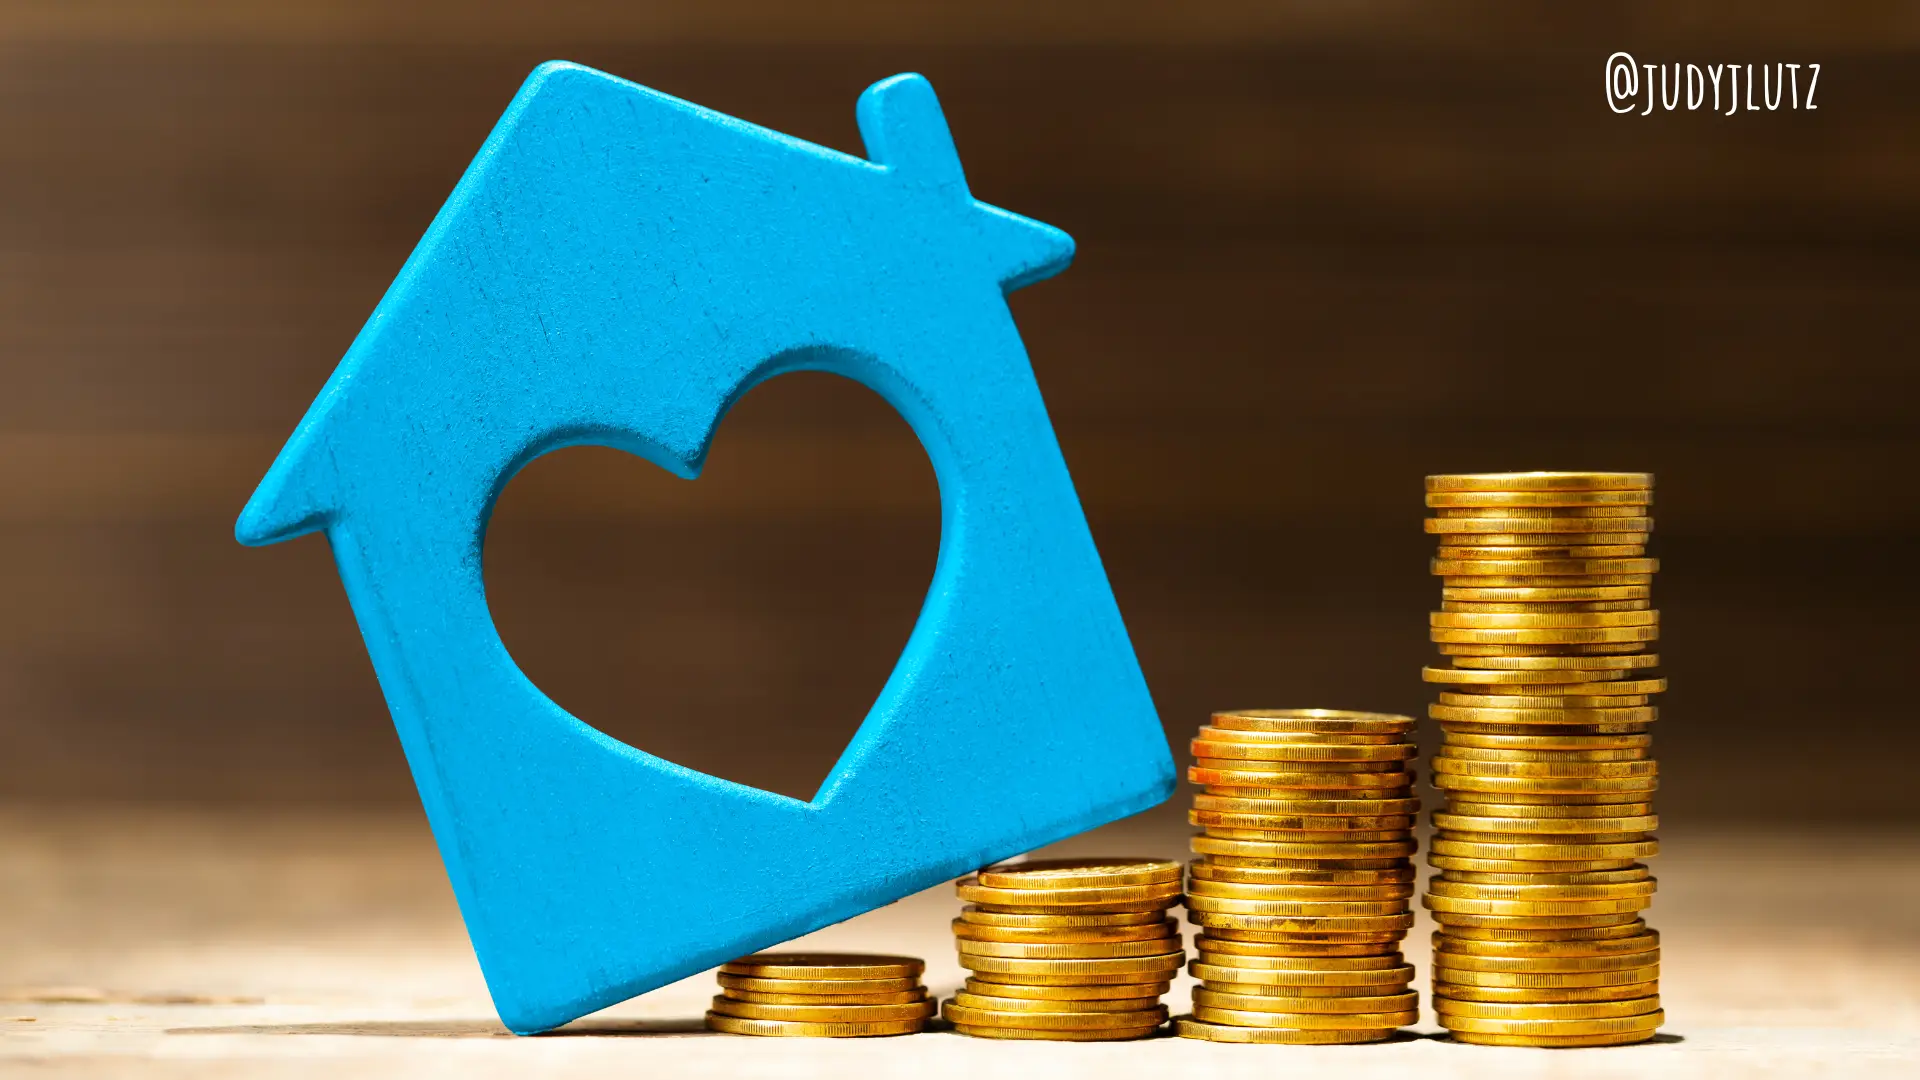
x=1305 y=879
x=1067 y=949
x=1546 y=624
x=821 y=994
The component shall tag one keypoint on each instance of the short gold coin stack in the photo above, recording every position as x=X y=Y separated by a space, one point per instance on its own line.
x=1305 y=881
x=1067 y=949
x=821 y=995
x=1547 y=627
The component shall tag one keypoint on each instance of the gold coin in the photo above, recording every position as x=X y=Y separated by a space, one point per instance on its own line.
x=1396 y=863
x=1273 y=1003
x=1483 y=786
x=1529 y=513
x=1297 y=738
x=1643 y=714
x=1079 y=873
x=1302 y=781
x=1509 y=926
x=902 y=997
x=1256 y=849
x=1474 y=847
x=967 y=999
x=1572 y=634
x=1088 y=992
x=1154 y=907
x=1292 y=795
x=1309 y=807
x=1460 y=752
x=1442 y=973
x=1303 y=836
x=1314 y=721
x=971 y=891
x=971 y=931
x=1467 y=530
x=1542 y=701
x=1476 y=677
x=1454 y=905
x=1473 y=620
x=1234 y=920
x=1457 y=727
x=1545 y=995
x=1546 y=594
x=1295 y=908
x=1532 y=551
x=1476 y=653
x=1213 y=972
x=822 y=1014
x=1527 y=866
x=1389 y=959
x=1541 y=481
x=1188 y=1028
x=1027 y=920
x=1521 y=800
x=1282 y=997
x=1082 y=967
x=1065 y=950
x=1634 y=872
x=1310 y=752
x=821 y=966
x=1636 y=943
x=1057 y=1034
x=818 y=986
x=1097 y=1019
x=1603 y=1026
x=1304 y=893
x=1460 y=823
x=1610 y=685
x=1530 y=742
x=1342 y=768
x=1624 y=503
x=736 y=1025
x=1308 y=1021
x=1307 y=942
x=1542 y=567
x=1487 y=579
x=1208 y=944
x=1444 y=763
x=1578 y=1010
x=1543 y=545
x=1275 y=827
x=1123 y=978
x=1553 y=1041
x=1576 y=607
x=1631 y=662
x=1315 y=875
x=1552 y=962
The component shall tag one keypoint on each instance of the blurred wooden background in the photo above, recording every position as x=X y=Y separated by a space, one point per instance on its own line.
x=1325 y=249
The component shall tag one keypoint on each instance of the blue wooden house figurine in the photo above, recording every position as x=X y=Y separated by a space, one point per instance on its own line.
x=618 y=267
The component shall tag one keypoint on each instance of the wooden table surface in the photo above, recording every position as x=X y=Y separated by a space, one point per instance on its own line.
x=168 y=942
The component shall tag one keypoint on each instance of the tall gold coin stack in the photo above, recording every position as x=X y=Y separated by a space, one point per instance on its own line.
x=1547 y=625
x=821 y=995
x=1305 y=879
x=1067 y=949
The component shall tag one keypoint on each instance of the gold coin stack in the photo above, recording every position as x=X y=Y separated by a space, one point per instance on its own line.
x=834 y=995
x=1547 y=622
x=1305 y=880
x=1067 y=949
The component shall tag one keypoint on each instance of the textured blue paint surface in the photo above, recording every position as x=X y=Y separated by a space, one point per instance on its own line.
x=618 y=267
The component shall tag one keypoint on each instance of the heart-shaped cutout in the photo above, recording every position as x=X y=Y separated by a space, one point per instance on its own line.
x=740 y=624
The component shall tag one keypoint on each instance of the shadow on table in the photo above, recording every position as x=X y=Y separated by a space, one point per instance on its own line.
x=452 y=1029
